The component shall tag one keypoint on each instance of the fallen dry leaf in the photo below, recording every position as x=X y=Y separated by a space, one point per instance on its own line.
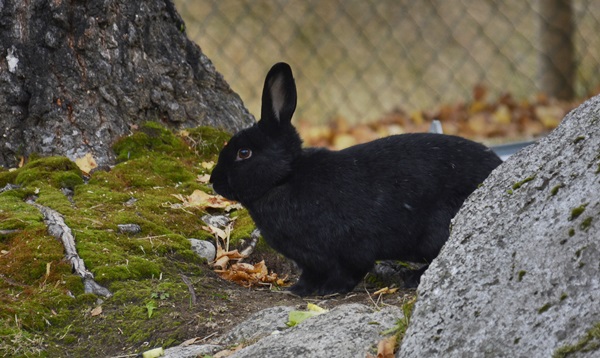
x=480 y=118
x=96 y=311
x=86 y=163
x=249 y=275
x=204 y=200
x=223 y=257
x=385 y=348
x=220 y=233
x=203 y=178
x=228 y=352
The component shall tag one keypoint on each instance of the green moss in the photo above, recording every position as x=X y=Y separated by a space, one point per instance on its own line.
x=7 y=177
x=517 y=185
x=151 y=138
x=399 y=330
x=571 y=232
x=243 y=227
x=578 y=139
x=555 y=189
x=585 y=224
x=520 y=275
x=57 y=171
x=590 y=342
x=208 y=141
x=135 y=268
x=563 y=297
x=576 y=212
x=66 y=179
x=544 y=308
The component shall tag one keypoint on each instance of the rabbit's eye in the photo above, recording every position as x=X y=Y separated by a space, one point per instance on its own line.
x=243 y=153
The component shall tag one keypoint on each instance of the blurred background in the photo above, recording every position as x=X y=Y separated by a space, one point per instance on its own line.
x=488 y=69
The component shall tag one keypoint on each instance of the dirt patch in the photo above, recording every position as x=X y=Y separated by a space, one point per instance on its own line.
x=220 y=306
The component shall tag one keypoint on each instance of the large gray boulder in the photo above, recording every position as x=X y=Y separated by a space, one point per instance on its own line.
x=520 y=274
x=347 y=331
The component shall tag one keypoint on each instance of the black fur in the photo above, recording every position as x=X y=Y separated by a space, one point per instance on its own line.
x=335 y=212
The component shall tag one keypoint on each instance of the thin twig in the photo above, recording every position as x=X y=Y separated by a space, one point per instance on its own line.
x=59 y=229
x=12 y=282
x=369 y=295
x=188 y=283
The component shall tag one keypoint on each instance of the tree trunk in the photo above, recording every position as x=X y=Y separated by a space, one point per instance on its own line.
x=75 y=75
x=556 y=72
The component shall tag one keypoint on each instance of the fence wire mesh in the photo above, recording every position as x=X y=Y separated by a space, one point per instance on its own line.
x=360 y=59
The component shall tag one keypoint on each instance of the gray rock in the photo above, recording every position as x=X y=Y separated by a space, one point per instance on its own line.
x=346 y=331
x=191 y=351
x=129 y=228
x=204 y=249
x=520 y=274
x=258 y=325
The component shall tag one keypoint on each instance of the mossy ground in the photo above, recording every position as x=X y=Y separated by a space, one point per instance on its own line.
x=45 y=311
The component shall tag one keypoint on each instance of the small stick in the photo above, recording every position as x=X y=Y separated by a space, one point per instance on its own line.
x=59 y=229
x=188 y=283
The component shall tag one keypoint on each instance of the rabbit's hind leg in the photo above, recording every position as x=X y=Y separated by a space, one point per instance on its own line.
x=309 y=282
x=340 y=279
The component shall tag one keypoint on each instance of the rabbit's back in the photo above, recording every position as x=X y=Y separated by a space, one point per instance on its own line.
x=377 y=199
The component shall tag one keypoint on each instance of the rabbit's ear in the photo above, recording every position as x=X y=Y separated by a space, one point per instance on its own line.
x=278 y=98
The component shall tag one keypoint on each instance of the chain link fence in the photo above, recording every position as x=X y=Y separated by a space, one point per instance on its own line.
x=360 y=59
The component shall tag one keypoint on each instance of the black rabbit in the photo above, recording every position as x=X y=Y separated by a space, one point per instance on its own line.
x=335 y=212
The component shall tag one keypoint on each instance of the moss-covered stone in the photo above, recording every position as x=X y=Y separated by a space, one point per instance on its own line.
x=60 y=172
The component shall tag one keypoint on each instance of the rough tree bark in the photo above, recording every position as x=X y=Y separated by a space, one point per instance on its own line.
x=75 y=75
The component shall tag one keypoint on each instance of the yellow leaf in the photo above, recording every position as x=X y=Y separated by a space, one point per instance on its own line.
x=315 y=308
x=86 y=163
x=385 y=291
x=477 y=106
x=502 y=115
x=153 y=353
x=207 y=165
